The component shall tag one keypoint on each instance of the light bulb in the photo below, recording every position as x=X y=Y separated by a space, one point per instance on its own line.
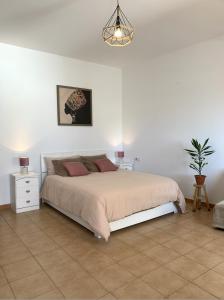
x=118 y=32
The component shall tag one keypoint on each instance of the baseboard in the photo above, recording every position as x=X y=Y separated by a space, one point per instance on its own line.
x=5 y=206
x=188 y=200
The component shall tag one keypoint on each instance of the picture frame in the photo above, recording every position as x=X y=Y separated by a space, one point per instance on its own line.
x=74 y=106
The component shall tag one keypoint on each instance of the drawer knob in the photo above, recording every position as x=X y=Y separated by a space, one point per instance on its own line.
x=27 y=201
x=27 y=191
x=27 y=181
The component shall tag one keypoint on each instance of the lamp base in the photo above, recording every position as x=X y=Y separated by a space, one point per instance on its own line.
x=120 y=160
x=24 y=170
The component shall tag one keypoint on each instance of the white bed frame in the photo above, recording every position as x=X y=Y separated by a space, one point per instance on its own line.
x=133 y=219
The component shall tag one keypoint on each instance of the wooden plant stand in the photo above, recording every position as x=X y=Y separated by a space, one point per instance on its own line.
x=200 y=193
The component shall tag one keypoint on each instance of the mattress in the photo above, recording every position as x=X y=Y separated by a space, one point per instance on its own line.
x=100 y=198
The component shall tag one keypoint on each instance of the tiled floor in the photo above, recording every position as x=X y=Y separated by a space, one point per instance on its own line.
x=45 y=255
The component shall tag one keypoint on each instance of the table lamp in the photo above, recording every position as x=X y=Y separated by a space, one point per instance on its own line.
x=24 y=163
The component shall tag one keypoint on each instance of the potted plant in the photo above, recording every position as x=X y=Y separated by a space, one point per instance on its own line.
x=198 y=156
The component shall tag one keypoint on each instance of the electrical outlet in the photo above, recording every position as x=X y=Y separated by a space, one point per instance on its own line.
x=137 y=159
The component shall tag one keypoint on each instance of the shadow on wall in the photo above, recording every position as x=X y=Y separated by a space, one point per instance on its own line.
x=172 y=161
x=216 y=188
x=8 y=164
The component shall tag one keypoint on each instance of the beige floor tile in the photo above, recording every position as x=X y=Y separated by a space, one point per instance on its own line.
x=215 y=232
x=137 y=289
x=30 y=238
x=139 y=264
x=6 y=292
x=3 y=280
x=219 y=269
x=161 y=254
x=113 y=277
x=144 y=227
x=9 y=241
x=64 y=239
x=211 y=231
x=77 y=248
x=204 y=257
x=61 y=229
x=94 y=261
x=78 y=229
x=64 y=248
x=144 y=244
x=54 y=294
x=52 y=258
x=14 y=254
x=41 y=246
x=116 y=249
x=160 y=236
x=164 y=281
x=32 y=286
x=61 y=273
x=216 y=246
x=191 y=291
x=212 y=282
x=128 y=236
x=21 y=269
x=38 y=219
x=176 y=230
x=194 y=224
x=24 y=229
x=108 y=297
x=161 y=222
x=2 y=220
x=18 y=221
x=46 y=222
x=197 y=238
x=180 y=246
x=5 y=229
x=84 y=288
x=186 y=268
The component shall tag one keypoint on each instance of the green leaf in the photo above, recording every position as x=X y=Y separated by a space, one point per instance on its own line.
x=199 y=155
x=205 y=143
x=207 y=153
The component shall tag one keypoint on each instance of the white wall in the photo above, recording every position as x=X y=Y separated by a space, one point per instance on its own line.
x=168 y=101
x=28 y=120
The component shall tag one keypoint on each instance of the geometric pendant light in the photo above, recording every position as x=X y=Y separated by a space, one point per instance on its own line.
x=118 y=31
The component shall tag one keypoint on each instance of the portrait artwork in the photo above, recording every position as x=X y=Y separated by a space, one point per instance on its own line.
x=74 y=106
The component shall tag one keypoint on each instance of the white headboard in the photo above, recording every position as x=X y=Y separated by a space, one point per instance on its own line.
x=110 y=154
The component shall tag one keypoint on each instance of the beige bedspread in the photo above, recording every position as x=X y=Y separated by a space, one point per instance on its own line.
x=100 y=198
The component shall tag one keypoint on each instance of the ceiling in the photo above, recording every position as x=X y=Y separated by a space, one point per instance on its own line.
x=73 y=27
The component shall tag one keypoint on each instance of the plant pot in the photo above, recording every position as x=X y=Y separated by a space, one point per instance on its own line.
x=200 y=179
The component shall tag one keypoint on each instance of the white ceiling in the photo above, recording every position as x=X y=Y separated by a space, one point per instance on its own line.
x=73 y=27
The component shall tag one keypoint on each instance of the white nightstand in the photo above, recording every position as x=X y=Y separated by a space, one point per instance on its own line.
x=25 y=192
x=128 y=166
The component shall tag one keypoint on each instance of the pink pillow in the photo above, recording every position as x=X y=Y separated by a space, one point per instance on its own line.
x=75 y=168
x=105 y=165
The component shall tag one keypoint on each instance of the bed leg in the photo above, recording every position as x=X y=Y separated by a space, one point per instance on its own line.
x=98 y=236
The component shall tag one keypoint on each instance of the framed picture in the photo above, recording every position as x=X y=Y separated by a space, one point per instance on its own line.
x=74 y=106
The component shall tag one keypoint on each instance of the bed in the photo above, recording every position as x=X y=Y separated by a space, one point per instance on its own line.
x=105 y=202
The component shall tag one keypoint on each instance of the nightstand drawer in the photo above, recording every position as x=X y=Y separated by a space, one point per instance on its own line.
x=28 y=192
x=26 y=202
x=26 y=197
x=26 y=182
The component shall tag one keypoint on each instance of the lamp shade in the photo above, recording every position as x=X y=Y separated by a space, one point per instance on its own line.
x=120 y=154
x=24 y=161
x=118 y=31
